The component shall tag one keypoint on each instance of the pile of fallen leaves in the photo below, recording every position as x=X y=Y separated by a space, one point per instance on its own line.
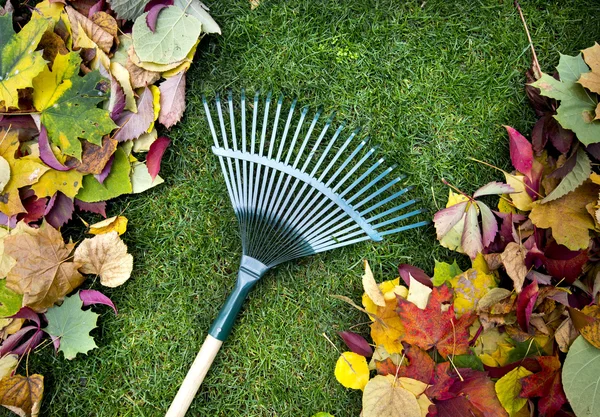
x=518 y=333
x=83 y=85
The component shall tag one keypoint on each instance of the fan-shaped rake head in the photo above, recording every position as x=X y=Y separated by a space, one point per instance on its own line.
x=298 y=189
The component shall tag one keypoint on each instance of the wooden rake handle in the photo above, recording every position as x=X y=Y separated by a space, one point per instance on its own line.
x=194 y=377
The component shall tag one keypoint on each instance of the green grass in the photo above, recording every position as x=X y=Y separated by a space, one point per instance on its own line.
x=432 y=83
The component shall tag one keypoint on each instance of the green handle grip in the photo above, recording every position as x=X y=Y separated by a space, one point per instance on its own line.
x=251 y=271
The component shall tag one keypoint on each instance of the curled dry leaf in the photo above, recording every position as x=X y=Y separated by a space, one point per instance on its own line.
x=370 y=286
x=105 y=255
x=95 y=32
x=114 y=224
x=22 y=395
x=513 y=259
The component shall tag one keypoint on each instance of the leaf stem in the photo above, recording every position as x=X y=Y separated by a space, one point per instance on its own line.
x=537 y=71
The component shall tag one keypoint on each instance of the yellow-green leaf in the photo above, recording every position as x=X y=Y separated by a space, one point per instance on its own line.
x=48 y=86
x=508 y=389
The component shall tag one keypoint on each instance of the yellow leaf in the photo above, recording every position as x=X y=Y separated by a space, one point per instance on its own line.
x=155 y=104
x=352 y=371
x=417 y=388
x=595 y=178
x=20 y=61
x=508 y=389
x=22 y=395
x=114 y=224
x=504 y=206
x=418 y=294
x=24 y=171
x=469 y=287
x=67 y=182
x=568 y=216
x=455 y=198
x=83 y=41
x=8 y=364
x=48 y=86
x=520 y=198
x=386 y=287
x=384 y=396
x=185 y=64
x=46 y=9
x=480 y=264
x=122 y=76
x=371 y=288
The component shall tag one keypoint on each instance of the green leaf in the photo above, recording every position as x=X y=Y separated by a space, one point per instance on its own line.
x=75 y=115
x=322 y=414
x=580 y=172
x=141 y=179
x=116 y=184
x=443 y=272
x=19 y=62
x=468 y=361
x=581 y=378
x=10 y=301
x=175 y=35
x=577 y=106
x=72 y=326
x=199 y=11
x=128 y=9
x=508 y=389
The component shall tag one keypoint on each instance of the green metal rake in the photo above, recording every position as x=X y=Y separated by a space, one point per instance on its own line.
x=294 y=195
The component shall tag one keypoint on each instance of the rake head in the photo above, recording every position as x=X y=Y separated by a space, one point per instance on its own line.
x=297 y=189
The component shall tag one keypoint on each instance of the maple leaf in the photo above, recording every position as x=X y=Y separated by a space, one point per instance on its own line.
x=105 y=255
x=574 y=234
x=547 y=385
x=433 y=327
x=43 y=273
x=24 y=171
x=71 y=326
x=591 y=80
x=74 y=115
x=49 y=85
x=577 y=107
x=22 y=395
x=19 y=64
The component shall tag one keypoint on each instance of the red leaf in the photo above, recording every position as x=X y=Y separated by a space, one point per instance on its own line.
x=560 y=262
x=521 y=151
x=547 y=385
x=433 y=327
x=155 y=154
x=440 y=383
x=357 y=344
x=406 y=271
x=420 y=366
x=457 y=406
x=98 y=208
x=525 y=303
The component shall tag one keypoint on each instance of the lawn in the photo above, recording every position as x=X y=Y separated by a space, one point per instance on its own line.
x=432 y=83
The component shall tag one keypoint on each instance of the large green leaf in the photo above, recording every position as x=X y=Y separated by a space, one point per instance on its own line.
x=128 y=9
x=175 y=35
x=72 y=326
x=577 y=106
x=116 y=184
x=581 y=378
x=200 y=12
x=580 y=172
x=19 y=62
x=75 y=115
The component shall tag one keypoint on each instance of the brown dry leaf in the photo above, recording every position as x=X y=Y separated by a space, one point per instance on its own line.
x=51 y=45
x=22 y=395
x=370 y=286
x=141 y=77
x=565 y=335
x=568 y=216
x=99 y=36
x=513 y=259
x=384 y=396
x=105 y=255
x=591 y=80
x=94 y=157
x=107 y=23
x=44 y=273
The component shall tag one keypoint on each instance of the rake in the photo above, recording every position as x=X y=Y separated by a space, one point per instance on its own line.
x=295 y=193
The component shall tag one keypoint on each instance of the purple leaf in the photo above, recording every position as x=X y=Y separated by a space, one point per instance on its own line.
x=521 y=151
x=471 y=239
x=561 y=138
x=30 y=344
x=594 y=150
x=525 y=303
x=357 y=344
x=488 y=224
x=172 y=99
x=27 y=314
x=59 y=210
x=8 y=221
x=492 y=188
x=96 y=8
x=407 y=271
x=152 y=16
x=447 y=218
x=11 y=342
x=155 y=154
x=540 y=278
x=90 y=297
x=538 y=136
x=567 y=167
x=18 y=122
x=118 y=100
x=562 y=263
x=46 y=153
x=153 y=3
x=105 y=171
x=55 y=343
x=98 y=208
x=132 y=125
x=35 y=207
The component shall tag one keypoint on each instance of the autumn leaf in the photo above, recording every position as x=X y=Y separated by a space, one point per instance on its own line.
x=50 y=85
x=435 y=326
x=509 y=388
x=444 y=272
x=71 y=326
x=22 y=395
x=19 y=62
x=114 y=224
x=469 y=287
x=105 y=255
x=44 y=273
x=418 y=294
x=386 y=397
x=132 y=125
x=23 y=172
x=574 y=234
x=580 y=172
x=172 y=100
x=352 y=371
x=357 y=344
x=581 y=378
x=591 y=80
x=547 y=385
x=370 y=286
x=116 y=184
x=513 y=259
